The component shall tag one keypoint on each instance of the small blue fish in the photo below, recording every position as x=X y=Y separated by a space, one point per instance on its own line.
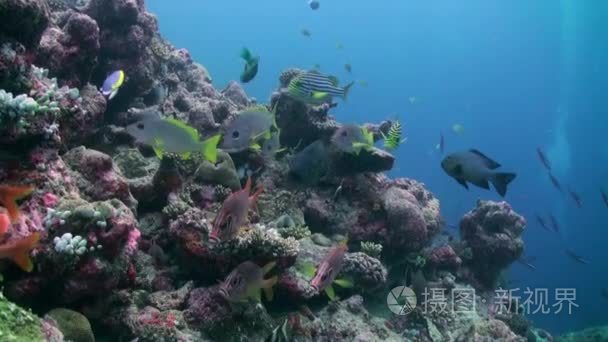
x=112 y=83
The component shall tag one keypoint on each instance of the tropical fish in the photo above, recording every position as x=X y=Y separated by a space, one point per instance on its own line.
x=327 y=271
x=575 y=197
x=305 y=32
x=412 y=99
x=348 y=68
x=339 y=46
x=543 y=159
x=458 y=129
x=604 y=197
x=313 y=87
x=352 y=139
x=392 y=139
x=246 y=281
x=527 y=261
x=272 y=146
x=251 y=65
x=249 y=128
x=441 y=145
x=314 y=4
x=554 y=223
x=112 y=84
x=474 y=167
x=18 y=251
x=9 y=195
x=542 y=222
x=363 y=83
x=173 y=136
x=576 y=257
x=233 y=213
x=555 y=183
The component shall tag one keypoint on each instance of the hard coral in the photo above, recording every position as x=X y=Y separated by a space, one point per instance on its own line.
x=493 y=232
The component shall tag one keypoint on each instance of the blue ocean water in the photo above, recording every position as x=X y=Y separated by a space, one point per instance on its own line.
x=516 y=75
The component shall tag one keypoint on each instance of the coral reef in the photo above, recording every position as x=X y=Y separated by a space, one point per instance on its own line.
x=125 y=234
x=493 y=233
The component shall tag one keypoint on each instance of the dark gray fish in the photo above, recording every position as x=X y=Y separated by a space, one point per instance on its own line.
x=543 y=159
x=575 y=197
x=247 y=129
x=554 y=223
x=576 y=257
x=311 y=164
x=555 y=182
x=474 y=167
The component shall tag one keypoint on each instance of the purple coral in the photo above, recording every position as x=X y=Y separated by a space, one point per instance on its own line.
x=493 y=233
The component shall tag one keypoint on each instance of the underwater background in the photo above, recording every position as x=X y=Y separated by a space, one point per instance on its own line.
x=516 y=75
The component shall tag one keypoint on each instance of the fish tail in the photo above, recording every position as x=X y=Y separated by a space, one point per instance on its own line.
x=501 y=180
x=9 y=196
x=209 y=148
x=347 y=90
x=268 y=267
x=21 y=252
x=268 y=284
x=246 y=54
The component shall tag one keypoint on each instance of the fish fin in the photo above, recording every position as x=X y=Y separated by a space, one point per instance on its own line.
x=255 y=147
x=334 y=80
x=344 y=283
x=330 y=292
x=245 y=54
x=186 y=155
x=119 y=81
x=255 y=294
x=21 y=252
x=112 y=94
x=268 y=267
x=491 y=164
x=192 y=132
x=347 y=90
x=308 y=269
x=209 y=149
x=483 y=183
x=158 y=152
x=247 y=187
x=501 y=180
x=9 y=196
x=369 y=136
x=463 y=183
x=268 y=284
x=319 y=95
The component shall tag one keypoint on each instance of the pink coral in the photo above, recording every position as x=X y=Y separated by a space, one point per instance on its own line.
x=49 y=199
x=444 y=257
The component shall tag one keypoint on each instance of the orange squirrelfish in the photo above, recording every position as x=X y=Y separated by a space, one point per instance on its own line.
x=9 y=195
x=19 y=251
x=233 y=214
x=328 y=270
x=245 y=282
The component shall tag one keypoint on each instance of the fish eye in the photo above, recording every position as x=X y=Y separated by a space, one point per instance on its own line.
x=324 y=277
x=140 y=125
x=235 y=134
x=235 y=281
